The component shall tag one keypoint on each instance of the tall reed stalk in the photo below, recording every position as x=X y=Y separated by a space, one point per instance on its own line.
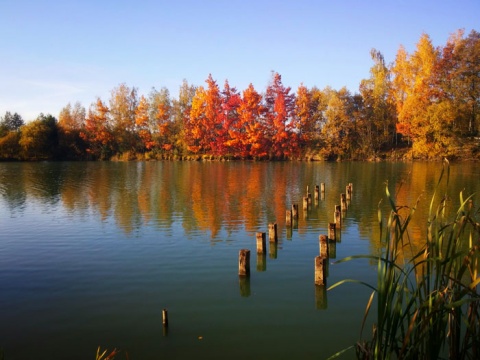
x=428 y=304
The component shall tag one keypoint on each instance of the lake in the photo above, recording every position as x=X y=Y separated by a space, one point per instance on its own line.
x=91 y=252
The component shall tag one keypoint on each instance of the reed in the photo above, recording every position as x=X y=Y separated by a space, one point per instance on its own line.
x=427 y=304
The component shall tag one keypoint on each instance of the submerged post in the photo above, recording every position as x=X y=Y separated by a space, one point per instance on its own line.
x=338 y=216
x=348 y=192
x=165 y=317
x=260 y=242
x=295 y=212
x=288 y=218
x=322 y=187
x=332 y=232
x=320 y=270
x=305 y=203
x=317 y=193
x=323 y=242
x=272 y=232
x=343 y=202
x=244 y=262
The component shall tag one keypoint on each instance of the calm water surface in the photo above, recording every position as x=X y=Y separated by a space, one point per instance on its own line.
x=90 y=254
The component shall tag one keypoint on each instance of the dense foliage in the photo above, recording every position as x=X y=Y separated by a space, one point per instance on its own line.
x=423 y=105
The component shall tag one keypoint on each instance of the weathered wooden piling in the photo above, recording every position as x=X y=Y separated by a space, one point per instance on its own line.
x=294 y=212
x=309 y=198
x=272 y=232
x=320 y=270
x=348 y=192
x=316 y=193
x=322 y=187
x=338 y=216
x=165 y=317
x=260 y=236
x=288 y=218
x=332 y=232
x=343 y=202
x=323 y=243
x=244 y=262
x=305 y=203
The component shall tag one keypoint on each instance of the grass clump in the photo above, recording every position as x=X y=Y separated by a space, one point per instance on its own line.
x=427 y=304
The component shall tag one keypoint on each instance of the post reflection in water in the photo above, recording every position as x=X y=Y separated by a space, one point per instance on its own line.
x=321 y=297
x=261 y=262
x=244 y=282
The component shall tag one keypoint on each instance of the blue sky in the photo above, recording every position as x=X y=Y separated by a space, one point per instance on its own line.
x=56 y=52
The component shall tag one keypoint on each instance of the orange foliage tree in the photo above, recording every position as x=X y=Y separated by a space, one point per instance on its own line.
x=280 y=122
x=97 y=132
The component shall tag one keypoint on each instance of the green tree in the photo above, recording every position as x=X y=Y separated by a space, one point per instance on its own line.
x=181 y=113
x=10 y=122
x=376 y=127
x=39 y=138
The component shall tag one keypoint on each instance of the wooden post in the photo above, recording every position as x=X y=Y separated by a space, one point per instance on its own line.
x=343 y=202
x=320 y=270
x=244 y=262
x=261 y=243
x=288 y=218
x=165 y=317
x=309 y=198
x=332 y=232
x=323 y=242
x=350 y=185
x=305 y=203
x=317 y=193
x=348 y=192
x=272 y=232
x=338 y=216
x=322 y=187
x=295 y=212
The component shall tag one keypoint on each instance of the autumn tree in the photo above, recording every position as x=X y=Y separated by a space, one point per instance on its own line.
x=305 y=114
x=98 y=132
x=338 y=130
x=142 y=122
x=123 y=103
x=204 y=123
x=229 y=120
x=161 y=115
x=280 y=106
x=70 y=123
x=248 y=133
x=466 y=82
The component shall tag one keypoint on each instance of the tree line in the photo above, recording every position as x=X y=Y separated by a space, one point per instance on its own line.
x=423 y=105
